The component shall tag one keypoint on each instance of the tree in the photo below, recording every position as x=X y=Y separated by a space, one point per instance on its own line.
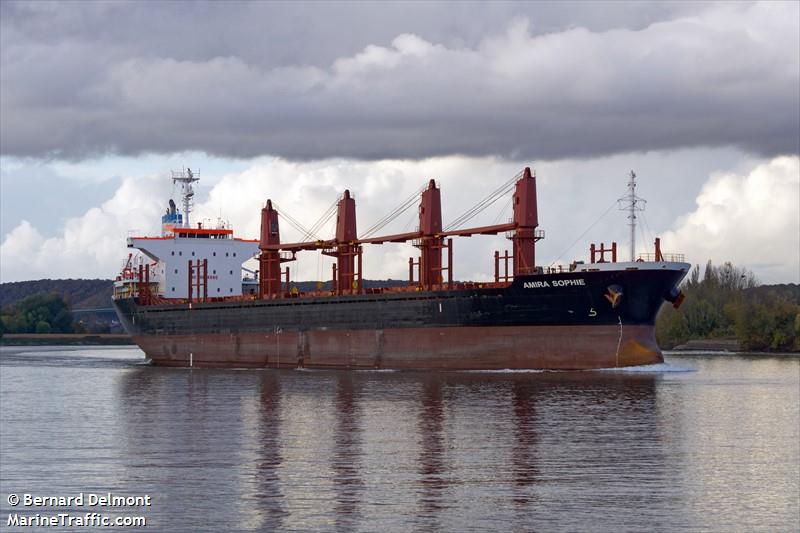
x=728 y=302
x=40 y=313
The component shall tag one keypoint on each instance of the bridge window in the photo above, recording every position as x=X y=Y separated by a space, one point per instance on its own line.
x=217 y=289
x=176 y=270
x=180 y=253
x=215 y=254
x=192 y=254
x=173 y=253
x=173 y=289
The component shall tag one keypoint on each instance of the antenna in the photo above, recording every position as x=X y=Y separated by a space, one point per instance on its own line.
x=632 y=203
x=185 y=178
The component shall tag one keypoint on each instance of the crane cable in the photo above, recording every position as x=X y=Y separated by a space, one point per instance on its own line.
x=321 y=221
x=393 y=214
x=483 y=204
x=292 y=222
x=503 y=211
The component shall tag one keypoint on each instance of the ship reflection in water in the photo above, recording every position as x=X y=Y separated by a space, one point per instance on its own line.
x=432 y=467
x=523 y=452
x=346 y=454
x=270 y=450
x=267 y=495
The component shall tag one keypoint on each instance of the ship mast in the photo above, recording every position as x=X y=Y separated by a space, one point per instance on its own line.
x=185 y=178
x=632 y=203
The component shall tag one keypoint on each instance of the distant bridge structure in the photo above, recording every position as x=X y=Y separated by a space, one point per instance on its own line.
x=95 y=311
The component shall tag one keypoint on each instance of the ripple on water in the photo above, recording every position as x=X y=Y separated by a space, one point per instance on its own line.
x=613 y=450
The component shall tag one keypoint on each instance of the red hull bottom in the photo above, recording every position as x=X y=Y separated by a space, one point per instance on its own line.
x=455 y=348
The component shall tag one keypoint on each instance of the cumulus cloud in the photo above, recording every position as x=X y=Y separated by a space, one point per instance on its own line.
x=749 y=217
x=752 y=220
x=719 y=75
x=89 y=246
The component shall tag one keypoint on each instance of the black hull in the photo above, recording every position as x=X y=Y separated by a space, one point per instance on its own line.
x=532 y=323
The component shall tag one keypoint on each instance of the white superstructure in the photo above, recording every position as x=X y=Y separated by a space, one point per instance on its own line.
x=171 y=255
x=215 y=255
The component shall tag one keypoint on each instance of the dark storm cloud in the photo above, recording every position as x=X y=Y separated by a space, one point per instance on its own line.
x=374 y=81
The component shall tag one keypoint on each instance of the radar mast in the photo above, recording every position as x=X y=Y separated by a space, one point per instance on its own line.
x=185 y=178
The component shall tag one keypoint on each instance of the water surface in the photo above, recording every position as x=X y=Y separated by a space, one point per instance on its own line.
x=702 y=443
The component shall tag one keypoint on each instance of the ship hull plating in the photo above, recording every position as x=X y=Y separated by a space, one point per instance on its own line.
x=562 y=321
x=456 y=348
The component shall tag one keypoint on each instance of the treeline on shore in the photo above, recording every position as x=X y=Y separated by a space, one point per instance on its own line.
x=57 y=306
x=40 y=313
x=726 y=302
x=51 y=313
x=78 y=293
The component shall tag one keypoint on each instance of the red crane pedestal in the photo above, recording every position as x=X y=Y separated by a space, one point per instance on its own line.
x=430 y=244
x=347 y=251
x=269 y=261
x=526 y=219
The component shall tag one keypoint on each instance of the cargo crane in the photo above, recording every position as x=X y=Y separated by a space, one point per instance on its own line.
x=431 y=239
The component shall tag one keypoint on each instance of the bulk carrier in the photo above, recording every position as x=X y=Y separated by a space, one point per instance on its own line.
x=184 y=301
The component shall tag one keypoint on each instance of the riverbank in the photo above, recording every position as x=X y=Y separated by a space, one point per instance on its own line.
x=723 y=347
x=66 y=339
x=669 y=354
x=710 y=345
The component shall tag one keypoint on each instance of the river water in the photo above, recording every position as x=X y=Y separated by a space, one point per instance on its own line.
x=701 y=443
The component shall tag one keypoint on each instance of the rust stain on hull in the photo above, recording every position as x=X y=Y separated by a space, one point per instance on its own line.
x=442 y=348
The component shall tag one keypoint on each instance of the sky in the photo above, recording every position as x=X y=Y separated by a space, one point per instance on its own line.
x=297 y=101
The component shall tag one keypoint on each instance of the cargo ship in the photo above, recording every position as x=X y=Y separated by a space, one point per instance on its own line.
x=183 y=297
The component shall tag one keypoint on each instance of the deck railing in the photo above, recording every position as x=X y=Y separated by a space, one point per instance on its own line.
x=672 y=258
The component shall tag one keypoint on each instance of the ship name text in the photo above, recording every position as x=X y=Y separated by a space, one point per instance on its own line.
x=554 y=283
